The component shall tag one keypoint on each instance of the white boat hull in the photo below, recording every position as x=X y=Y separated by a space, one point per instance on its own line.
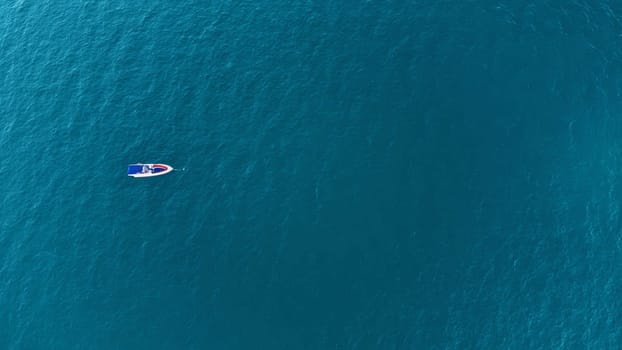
x=148 y=170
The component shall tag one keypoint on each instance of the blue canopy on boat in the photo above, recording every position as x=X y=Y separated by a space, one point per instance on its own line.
x=134 y=169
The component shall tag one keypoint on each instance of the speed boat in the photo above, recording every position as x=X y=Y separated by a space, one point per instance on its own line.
x=148 y=170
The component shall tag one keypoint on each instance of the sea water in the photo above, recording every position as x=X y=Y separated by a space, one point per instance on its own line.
x=358 y=175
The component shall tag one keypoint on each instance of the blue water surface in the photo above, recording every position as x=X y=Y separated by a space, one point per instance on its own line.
x=356 y=175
